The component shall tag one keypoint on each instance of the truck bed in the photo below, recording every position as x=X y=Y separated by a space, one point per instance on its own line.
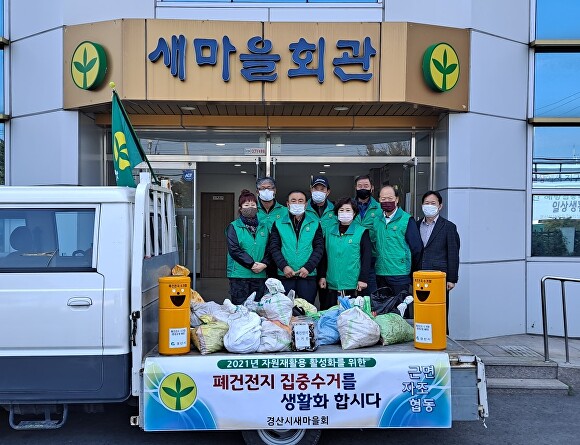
x=269 y=386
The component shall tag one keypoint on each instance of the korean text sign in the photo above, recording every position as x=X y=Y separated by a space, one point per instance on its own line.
x=354 y=390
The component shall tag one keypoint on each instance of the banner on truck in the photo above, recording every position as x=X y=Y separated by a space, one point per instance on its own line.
x=356 y=390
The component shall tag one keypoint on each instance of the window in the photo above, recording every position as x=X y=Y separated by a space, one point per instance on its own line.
x=342 y=144
x=2 y=154
x=557 y=19
x=556 y=225
x=556 y=132
x=556 y=87
x=271 y=1
x=556 y=157
x=206 y=143
x=46 y=238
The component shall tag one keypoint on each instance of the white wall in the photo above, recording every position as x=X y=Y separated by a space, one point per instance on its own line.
x=486 y=195
x=47 y=149
x=36 y=74
x=559 y=268
x=56 y=13
x=498 y=80
x=508 y=19
x=273 y=12
x=488 y=301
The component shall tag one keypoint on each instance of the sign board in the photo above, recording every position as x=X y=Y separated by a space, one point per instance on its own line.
x=255 y=151
x=555 y=207
x=274 y=391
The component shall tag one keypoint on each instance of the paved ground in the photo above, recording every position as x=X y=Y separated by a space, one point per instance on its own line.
x=519 y=419
x=523 y=345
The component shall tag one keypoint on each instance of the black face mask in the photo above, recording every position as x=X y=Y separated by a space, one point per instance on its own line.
x=363 y=193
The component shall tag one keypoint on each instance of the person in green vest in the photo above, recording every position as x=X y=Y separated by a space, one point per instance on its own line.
x=345 y=269
x=319 y=205
x=296 y=246
x=397 y=243
x=269 y=210
x=369 y=209
x=247 y=239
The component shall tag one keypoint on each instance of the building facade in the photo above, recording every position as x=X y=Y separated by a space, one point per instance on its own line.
x=223 y=92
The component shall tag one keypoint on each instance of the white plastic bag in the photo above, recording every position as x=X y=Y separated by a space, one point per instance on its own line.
x=275 y=286
x=243 y=336
x=357 y=329
x=276 y=306
x=275 y=337
x=208 y=308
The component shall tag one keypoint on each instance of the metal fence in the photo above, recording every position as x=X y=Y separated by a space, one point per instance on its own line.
x=562 y=281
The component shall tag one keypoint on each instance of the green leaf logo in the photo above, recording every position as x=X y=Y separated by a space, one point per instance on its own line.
x=441 y=67
x=88 y=65
x=120 y=151
x=178 y=391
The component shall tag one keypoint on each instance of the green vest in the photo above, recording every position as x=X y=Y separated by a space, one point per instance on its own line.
x=393 y=253
x=328 y=217
x=296 y=252
x=373 y=213
x=275 y=214
x=253 y=246
x=343 y=252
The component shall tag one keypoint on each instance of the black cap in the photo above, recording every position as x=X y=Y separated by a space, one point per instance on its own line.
x=323 y=180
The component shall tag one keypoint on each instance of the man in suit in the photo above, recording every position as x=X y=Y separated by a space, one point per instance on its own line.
x=440 y=242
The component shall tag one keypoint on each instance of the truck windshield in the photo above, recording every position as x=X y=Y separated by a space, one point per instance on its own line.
x=46 y=238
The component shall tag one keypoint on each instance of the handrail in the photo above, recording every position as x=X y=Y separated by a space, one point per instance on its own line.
x=562 y=281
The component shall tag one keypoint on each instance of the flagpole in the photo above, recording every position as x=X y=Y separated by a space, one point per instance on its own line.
x=133 y=134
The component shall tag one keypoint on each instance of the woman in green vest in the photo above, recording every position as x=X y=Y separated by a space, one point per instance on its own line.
x=247 y=258
x=348 y=254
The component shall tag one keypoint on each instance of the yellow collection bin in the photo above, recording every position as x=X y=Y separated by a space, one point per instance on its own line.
x=174 y=314
x=429 y=301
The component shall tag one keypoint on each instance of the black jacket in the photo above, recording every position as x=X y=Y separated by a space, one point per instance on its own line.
x=442 y=249
x=237 y=253
x=275 y=250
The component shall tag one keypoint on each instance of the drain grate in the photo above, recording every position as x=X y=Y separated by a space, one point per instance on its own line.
x=520 y=351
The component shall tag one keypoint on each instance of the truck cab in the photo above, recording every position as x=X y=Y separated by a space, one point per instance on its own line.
x=70 y=259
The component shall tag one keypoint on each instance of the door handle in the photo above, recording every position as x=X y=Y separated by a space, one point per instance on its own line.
x=205 y=235
x=79 y=302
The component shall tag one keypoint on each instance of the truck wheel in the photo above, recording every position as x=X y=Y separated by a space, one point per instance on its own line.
x=282 y=437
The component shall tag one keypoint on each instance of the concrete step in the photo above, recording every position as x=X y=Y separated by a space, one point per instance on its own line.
x=526 y=386
x=519 y=368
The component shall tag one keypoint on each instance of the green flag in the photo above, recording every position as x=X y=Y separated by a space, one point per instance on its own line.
x=127 y=151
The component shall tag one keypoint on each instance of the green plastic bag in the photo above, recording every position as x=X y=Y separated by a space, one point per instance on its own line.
x=394 y=329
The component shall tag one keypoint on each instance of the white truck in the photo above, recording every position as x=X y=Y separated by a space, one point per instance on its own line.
x=79 y=270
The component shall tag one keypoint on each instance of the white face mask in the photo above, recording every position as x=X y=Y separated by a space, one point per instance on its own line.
x=429 y=210
x=345 y=217
x=296 y=209
x=266 y=195
x=318 y=197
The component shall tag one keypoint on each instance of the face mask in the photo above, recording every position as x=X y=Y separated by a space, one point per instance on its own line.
x=363 y=193
x=388 y=206
x=249 y=212
x=430 y=210
x=296 y=209
x=266 y=195
x=345 y=217
x=318 y=197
